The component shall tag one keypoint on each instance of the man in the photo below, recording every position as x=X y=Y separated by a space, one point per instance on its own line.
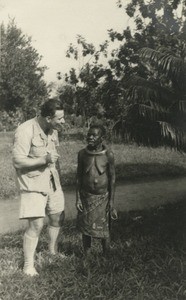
x=35 y=158
x=95 y=189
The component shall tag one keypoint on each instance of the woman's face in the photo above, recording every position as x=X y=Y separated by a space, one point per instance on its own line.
x=94 y=137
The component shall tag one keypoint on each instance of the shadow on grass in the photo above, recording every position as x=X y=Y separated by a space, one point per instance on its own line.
x=164 y=225
x=148 y=170
x=161 y=227
x=152 y=230
x=147 y=260
x=137 y=172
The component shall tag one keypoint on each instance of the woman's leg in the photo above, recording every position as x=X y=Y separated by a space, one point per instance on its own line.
x=105 y=245
x=86 y=242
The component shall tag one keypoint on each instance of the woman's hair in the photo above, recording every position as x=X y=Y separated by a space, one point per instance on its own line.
x=100 y=127
x=48 y=109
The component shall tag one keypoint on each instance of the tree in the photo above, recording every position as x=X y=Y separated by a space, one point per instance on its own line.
x=93 y=83
x=142 y=89
x=67 y=96
x=21 y=77
x=153 y=62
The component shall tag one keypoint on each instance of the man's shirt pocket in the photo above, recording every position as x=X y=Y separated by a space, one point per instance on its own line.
x=38 y=147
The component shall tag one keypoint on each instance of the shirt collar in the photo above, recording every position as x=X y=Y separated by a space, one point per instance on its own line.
x=40 y=131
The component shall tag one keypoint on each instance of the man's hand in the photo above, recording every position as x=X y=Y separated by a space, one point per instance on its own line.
x=79 y=206
x=52 y=157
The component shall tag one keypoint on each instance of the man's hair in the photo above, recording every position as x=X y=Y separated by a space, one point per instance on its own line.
x=100 y=127
x=48 y=109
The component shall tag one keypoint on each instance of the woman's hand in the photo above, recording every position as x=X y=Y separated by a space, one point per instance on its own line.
x=79 y=206
x=113 y=214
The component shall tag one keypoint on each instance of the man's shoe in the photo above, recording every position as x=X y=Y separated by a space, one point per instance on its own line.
x=56 y=256
x=30 y=271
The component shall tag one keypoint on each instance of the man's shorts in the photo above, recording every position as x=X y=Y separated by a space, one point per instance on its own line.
x=33 y=204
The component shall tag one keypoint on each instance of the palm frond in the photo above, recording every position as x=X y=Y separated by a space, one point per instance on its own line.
x=149 y=54
x=150 y=133
x=137 y=81
x=178 y=106
x=146 y=112
x=182 y=106
x=165 y=60
x=167 y=130
x=173 y=135
x=139 y=90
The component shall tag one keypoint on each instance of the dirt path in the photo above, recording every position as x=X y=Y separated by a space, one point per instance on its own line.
x=129 y=196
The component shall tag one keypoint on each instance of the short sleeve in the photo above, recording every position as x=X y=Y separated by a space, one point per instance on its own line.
x=21 y=143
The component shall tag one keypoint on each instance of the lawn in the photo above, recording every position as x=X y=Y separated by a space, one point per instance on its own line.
x=147 y=259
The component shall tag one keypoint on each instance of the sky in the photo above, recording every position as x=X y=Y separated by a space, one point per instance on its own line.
x=54 y=24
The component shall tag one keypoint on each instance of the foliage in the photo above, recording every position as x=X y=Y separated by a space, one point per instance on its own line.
x=142 y=89
x=95 y=90
x=21 y=76
x=153 y=60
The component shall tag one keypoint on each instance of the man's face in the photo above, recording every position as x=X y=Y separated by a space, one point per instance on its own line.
x=94 y=137
x=58 y=120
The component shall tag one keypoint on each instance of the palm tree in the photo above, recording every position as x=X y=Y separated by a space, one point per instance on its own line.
x=156 y=114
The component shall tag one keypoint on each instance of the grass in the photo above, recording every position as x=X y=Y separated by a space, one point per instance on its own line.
x=147 y=261
x=132 y=162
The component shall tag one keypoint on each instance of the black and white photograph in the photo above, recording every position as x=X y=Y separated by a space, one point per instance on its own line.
x=93 y=149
